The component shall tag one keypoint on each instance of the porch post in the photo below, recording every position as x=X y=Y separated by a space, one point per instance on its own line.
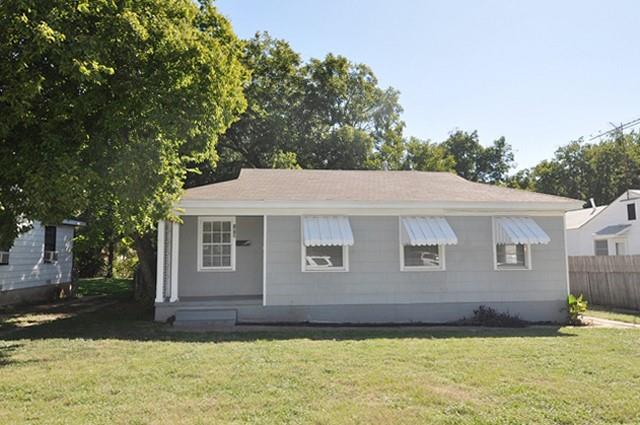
x=264 y=260
x=160 y=263
x=175 y=239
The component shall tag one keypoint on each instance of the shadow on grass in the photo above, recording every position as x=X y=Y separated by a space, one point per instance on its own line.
x=126 y=320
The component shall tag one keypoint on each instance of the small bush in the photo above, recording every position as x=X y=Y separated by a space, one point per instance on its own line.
x=487 y=316
x=576 y=306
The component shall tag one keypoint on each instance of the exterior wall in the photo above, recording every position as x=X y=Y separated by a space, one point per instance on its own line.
x=26 y=268
x=245 y=280
x=536 y=311
x=580 y=241
x=375 y=277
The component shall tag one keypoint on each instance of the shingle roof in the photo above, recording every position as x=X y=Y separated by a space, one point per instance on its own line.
x=359 y=185
x=578 y=218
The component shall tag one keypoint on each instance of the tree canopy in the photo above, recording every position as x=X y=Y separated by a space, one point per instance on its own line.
x=105 y=103
x=332 y=113
x=582 y=170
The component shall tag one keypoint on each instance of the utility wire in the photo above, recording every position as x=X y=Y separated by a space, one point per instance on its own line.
x=616 y=128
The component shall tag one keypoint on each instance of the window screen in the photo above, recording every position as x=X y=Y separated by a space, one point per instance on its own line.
x=422 y=256
x=601 y=247
x=631 y=211
x=324 y=257
x=50 y=238
x=511 y=255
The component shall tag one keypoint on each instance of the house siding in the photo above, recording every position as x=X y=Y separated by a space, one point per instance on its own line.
x=374 y=275
x=580 y=241
x=26 y=268
x=246 y=280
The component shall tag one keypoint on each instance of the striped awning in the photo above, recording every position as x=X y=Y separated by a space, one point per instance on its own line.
x=519 y=230
x=326 y=231
x=420 y=231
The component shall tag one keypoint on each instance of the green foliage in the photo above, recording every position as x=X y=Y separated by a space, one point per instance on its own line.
x=125 y=260
x=105 y=103
x=426 y=156
x=576 y=307
x=121 y=288
x=285 y=160
x=487 y=316
x=478 y=163
x=583 y=170
x=330 y=113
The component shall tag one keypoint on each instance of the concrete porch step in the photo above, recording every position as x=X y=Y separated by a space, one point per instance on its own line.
x=192 y=316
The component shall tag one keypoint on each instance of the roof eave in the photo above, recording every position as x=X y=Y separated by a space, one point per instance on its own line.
x=200 y=204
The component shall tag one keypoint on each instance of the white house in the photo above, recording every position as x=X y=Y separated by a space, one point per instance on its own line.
x=38 y=263
x=605 y=230
x=361 y=246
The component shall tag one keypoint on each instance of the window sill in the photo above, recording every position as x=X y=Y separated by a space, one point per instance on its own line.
x=216 y=269
x=422 y=269
x=329 y=270
x=508 y=269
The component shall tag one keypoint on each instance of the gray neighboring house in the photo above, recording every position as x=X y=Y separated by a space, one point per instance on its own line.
x=39 y=263
x=330 y=246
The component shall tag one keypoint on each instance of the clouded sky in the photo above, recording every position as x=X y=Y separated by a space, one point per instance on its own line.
x=540 y=73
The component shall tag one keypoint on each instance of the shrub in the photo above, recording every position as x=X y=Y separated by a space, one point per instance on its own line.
x=576 y=306
x=487 y=316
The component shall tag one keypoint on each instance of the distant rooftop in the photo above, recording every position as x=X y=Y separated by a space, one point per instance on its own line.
x=578 y=218
x=359 y=185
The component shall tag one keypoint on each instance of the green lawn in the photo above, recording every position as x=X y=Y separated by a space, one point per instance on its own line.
x=105 y=286
x=115 y=367
x=610 y=313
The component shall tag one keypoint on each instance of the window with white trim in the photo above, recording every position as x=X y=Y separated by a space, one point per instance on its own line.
x=4 y=258
x=216 y=243
x=50 y=252
x=601 y=247
x=512 y=256
x=425 y=257
x=325 y=258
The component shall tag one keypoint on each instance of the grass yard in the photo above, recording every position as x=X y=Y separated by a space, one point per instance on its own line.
x=105 y=286
x=611 y=313
x=115 y=367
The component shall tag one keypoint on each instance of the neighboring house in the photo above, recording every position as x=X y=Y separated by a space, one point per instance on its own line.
x=606 y=230
x=38 y=264
x=361 y=246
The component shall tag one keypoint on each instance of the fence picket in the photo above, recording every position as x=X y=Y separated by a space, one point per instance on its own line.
x=607 y=280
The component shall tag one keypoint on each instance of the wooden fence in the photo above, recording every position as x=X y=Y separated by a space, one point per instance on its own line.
x=607 y=280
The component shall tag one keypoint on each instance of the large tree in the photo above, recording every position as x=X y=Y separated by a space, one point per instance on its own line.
x=326 y=113
x=423 y=155
x=476 y=162
x=582 y=170
x=105 y=103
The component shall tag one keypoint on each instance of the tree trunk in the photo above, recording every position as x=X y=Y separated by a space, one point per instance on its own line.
x=145 y=279
x=110 y=254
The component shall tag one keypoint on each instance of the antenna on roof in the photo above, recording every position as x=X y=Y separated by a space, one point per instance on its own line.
x=385 y=165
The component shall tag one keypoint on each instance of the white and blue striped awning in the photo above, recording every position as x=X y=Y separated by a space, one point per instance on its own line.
x=420 y=231
x=519 y=230
x=327 y=231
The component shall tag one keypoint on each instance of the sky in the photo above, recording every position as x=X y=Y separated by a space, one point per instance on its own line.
x=540 y=73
